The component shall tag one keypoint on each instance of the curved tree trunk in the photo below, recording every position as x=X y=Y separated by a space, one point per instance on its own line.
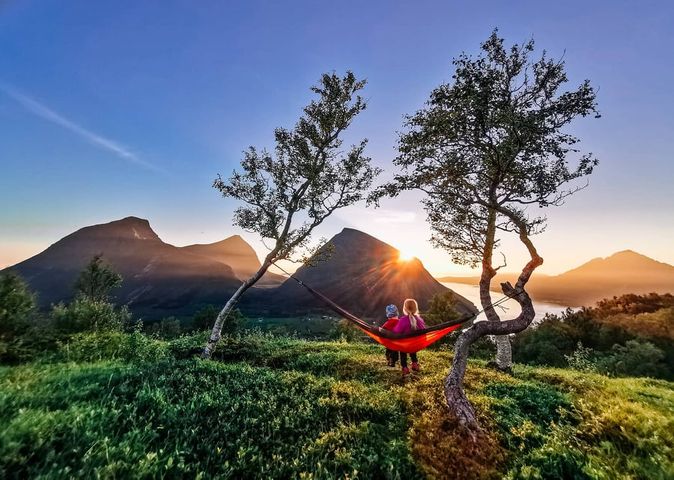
x=216 y=333
x=503 y=350
x=456 y=398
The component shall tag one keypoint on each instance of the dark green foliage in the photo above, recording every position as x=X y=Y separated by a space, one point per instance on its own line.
x=166 y=328
x=205 y=317
x=628 y=336
x=24 y=333
x=16 y=305
x=546 y=344
x=526 y=402
x=483 y=348
x=345 y=330
x=635 y=358
x=530 y=417
x=112 y=345
x=633 y=304
x=97 y=280
x=86 y=314
x=442 y=308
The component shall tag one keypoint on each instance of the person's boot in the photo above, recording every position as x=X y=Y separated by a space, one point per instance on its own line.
x=415 y=366
x=406 y=371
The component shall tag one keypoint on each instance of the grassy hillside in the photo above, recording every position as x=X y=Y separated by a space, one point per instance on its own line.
x=120 y=405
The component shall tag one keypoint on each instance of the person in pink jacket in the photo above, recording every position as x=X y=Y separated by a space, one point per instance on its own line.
x=407 y=323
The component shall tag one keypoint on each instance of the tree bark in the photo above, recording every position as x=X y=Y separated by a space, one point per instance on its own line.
x=457 y=402
x=503 y=350
x=504 y=353
x=216 y=333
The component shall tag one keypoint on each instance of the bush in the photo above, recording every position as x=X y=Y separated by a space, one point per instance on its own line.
x=483 y=348
x=16 y=305
x=97 y=280
x=607 y=329
x=85 y=314
x=204 y=319
x=167 y=328
x=635 y=359
x=581 y=359
x=345 y=331
x=442 y=308
x=17 y=319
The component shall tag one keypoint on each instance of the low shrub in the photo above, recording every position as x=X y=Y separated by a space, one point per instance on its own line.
x=111 y=345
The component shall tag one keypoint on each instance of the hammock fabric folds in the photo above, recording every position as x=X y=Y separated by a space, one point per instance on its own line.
x=408 y=343
x=413 y=344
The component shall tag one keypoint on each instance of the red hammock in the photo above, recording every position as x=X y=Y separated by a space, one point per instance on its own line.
x=419 y=341
x=409 y=342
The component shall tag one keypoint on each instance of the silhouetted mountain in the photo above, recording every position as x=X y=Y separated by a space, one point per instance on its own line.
x=158 y=277
x=363 y=275
x=621 y=273
x=235 y=252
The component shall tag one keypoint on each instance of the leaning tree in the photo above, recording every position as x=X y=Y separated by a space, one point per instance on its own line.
x=289 y=194
x=487 y=146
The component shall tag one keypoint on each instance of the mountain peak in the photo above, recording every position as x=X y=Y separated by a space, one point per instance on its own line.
x=237 y=253
x=625 y=262
x=364 y=274
x=133 y=228
x=628 y=254
x=132 y=220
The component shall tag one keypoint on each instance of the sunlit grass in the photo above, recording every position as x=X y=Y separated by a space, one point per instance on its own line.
x=283 y=407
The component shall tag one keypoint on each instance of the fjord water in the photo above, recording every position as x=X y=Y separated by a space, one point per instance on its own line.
x=511 y=307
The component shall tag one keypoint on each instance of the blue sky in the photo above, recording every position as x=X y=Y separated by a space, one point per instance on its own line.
x=110 y=109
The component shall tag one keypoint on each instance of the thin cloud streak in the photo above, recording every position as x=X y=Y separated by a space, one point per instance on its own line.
x=46 y=113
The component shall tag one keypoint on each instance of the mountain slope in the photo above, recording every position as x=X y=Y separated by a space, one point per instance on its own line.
x=621 y=273
x=363 y=274
x=157 y=276
x=239 y=255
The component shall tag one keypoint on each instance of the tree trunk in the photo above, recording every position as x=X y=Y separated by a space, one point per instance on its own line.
x=216 y=333
x=457 y=402
x=503 y=350
x=504 y=353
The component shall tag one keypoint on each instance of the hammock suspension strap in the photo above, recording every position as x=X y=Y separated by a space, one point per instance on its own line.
x=410 y=342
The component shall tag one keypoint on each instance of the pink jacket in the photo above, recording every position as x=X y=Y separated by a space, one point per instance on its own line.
x=405 y=327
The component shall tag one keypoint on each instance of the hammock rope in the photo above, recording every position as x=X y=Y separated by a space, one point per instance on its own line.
x=406 y=342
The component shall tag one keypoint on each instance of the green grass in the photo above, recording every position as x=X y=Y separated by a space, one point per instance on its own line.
x=288 y=408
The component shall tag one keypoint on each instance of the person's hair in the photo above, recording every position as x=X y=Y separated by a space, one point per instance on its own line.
x=411 y=309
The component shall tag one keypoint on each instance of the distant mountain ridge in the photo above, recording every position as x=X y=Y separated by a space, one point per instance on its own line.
x=157 y=275
x=623 y=272
x=363 y=275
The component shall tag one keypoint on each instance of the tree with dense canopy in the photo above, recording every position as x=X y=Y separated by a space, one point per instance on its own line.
x=289 y=194
x=484 y=148
x=17 y=303
x=97 y=280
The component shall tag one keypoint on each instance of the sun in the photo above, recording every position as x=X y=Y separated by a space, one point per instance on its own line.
x=405 y=256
